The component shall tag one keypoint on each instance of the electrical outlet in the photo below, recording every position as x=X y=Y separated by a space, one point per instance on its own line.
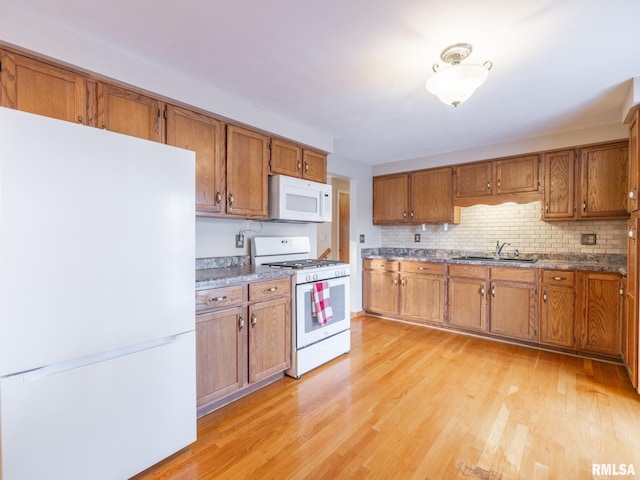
x=362 y=238
x=239 y=241
x=416 y=238
x=587 y=239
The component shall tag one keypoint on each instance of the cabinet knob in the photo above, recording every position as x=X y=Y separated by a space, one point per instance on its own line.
x=104 y=125
x=80 y=120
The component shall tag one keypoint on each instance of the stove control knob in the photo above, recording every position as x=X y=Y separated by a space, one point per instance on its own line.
x=315 y=276
x=307 y=278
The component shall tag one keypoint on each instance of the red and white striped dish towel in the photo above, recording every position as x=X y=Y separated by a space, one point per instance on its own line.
x=321 y=303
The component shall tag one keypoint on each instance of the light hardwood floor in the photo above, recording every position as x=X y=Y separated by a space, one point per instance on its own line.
x=412 y=402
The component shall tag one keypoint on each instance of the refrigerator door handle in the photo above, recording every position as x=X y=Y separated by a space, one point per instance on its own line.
x=38 y=373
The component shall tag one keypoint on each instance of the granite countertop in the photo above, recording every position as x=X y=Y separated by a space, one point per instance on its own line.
x=588 y=262
x=223 y=271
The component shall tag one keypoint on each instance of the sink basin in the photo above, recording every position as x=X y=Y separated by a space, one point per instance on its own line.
x=472 y=258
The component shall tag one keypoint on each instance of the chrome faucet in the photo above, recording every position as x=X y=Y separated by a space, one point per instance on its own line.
x=500 y=247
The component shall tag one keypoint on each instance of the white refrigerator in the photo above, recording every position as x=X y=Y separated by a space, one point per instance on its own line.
x=97 y=275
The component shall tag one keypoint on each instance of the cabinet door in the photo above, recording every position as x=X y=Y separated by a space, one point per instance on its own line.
x=380 y=291
x=600 y=326
x=603 y=181
x=474 y=180
x=314 y=166
x=269 y=338
x=467 y=305
x=513 y=310
x=247 y=177
x=432 y=196
x=130 y=113
x=557 y=316
x=518 y=175
x=422 y=298
x=630 y=318
x=286 y=158
x=36 y=87
x=559 y=185
x=634 y=170
x=205 y=136
x=390 y=199
x=219 y=353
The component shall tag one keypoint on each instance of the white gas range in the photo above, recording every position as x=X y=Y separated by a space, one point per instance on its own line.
x=313 y=343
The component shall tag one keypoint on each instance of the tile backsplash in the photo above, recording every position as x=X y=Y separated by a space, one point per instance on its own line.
x=482 y=225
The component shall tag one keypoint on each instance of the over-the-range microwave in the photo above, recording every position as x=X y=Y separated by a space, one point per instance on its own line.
x=297 y=200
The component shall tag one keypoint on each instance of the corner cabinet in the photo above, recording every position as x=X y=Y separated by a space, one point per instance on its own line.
x=247 y=173
x=243 y=340
x=424 y=196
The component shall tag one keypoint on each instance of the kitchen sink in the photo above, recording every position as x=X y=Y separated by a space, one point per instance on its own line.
x=472 y=258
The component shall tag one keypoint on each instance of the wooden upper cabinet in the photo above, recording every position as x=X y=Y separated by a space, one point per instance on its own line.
x=247 y=172
x=634 y=170
x=474 y=180
x=314 y=166
x=130 y=113
x=431 y=198
x=559 y=185
x=286 y=158
x=391 y=199
x=205 y=136
x=604 y=181
x=37 y=87
x=518 y=175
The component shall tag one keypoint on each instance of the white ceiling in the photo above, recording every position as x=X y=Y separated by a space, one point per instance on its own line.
x=356 y=68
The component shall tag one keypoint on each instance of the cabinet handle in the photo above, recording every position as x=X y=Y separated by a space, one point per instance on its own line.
x=80 y=120
x=380 y=265
x=240 y=322
x=404 y=214
x=404 y=282
x=104 y=125
x=488 y=185
x=498 y=183
x=267 y=290
x=482 y=292
x=584 y=205
x=218 y=198
x=217 y=299
x=253 y=319
x=546 y=207
x=421 y=268
x=544 y=297
x=299 y=165
x=395 y=281
x=306 y=167
x=412 y=214
x=493 y=291
x=631 y=234
x=559 y=278
x=230 y=199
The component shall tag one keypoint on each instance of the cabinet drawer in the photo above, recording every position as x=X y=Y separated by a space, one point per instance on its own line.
x=376 y=264
x=513 y=274
x=221 y=297
x=469 y=271
x=422 y=267
x=558 y=277
x=269 y=289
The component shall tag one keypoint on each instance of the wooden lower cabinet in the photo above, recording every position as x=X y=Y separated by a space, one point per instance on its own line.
x=600 y=326
x=422 y=297
x=239 y=346
x=558 y=308
x=513 y=303
x=467 y=290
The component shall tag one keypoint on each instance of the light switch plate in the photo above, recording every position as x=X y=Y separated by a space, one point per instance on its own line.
x=416 y=238
x=587 y=239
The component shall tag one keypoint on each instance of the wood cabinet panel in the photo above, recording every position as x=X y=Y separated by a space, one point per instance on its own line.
x=512 y=310
x=219 y=354
x=603 y=181
x=247 y=177
x=422 y=297
x=466 y=303
x=130 y=113
x=286 y=158
x=558 y=277
x=269 y=289
x=391 y=199
x=526 y=275
x=559 y=185
x=558 y=315
x=600 y=326
x=37 y=87
x=378 y=264
x=423 y=268
x=314 y=166
x=630 y=316
x=431 y=199
x=205 y=136
x=221 y=297
x=634 y=168
x=269 y=338
x=474 y=180
x=518 y=175
x=380 y=291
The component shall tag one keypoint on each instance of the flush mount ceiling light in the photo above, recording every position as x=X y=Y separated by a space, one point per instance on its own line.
x=455 y=83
